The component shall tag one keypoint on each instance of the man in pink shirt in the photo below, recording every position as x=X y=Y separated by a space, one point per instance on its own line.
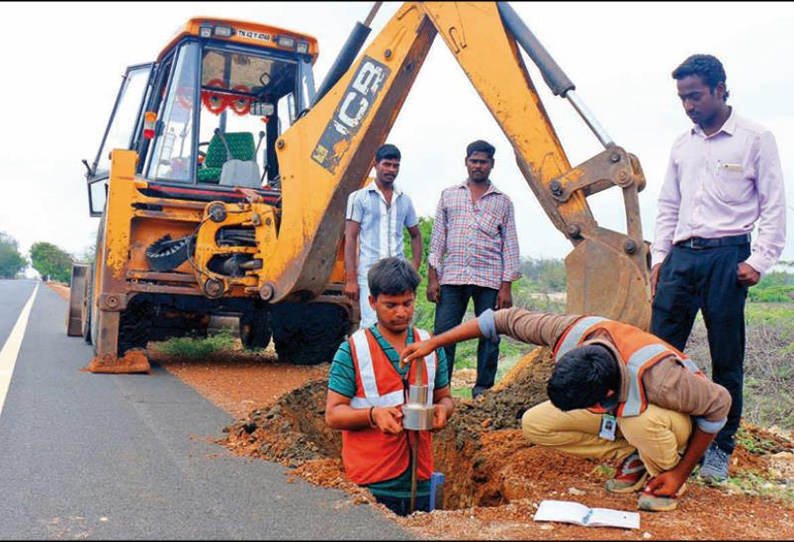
x=724 y=177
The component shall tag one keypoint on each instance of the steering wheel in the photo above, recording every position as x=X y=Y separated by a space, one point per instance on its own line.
x=202 y=155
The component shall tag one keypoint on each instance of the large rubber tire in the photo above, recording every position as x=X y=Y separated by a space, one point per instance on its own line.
x=134 y=325
x=88 y=304
x=255 y=331
x=308 y=333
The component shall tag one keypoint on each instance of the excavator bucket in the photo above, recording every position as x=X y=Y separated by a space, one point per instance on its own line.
x=607 y=282
x=133 y=361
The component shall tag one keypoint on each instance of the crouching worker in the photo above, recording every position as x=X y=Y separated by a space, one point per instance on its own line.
x=366 y=392
x=616 y=393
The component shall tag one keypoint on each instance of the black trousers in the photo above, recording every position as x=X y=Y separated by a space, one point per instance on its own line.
x=706 y=279
x=449 y=313
x=402 y=506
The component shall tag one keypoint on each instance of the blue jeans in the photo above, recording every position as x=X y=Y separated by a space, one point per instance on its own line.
x=449 y=313
x=706 y=279
x=402 y=506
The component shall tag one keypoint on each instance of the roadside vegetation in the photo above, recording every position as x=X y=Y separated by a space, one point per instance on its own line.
x=769 y=361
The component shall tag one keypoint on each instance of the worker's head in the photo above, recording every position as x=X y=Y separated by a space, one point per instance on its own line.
x=392 y=292
x=583 y=377
x=387 y=164
x=479 y=160
x=700 y=80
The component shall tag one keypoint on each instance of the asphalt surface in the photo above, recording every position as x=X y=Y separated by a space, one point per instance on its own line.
x=129 y=456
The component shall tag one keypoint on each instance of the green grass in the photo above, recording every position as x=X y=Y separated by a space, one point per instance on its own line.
x=197 y=347
x=752 y=483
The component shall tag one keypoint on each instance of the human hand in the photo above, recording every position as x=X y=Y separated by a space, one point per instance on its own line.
x=414 y=351
x=433 y=291
x=665 y=484
x=351 y=290
x=747 y=275
x=504 y=299
x=388 y=419
x=439 y=417
x=654 y=279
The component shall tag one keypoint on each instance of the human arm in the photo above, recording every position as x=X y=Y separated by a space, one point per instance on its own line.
x=352 y=230
x=771 y=233
x=438 y=241
x=673 y=386
x=667 y=483
x=654 y=278
x=668 y=206
x=504 y=298
x=510 y=252
x=465 y=331
x=340 y=415
x=433 y=288
x=416 y=246
x=443 y=407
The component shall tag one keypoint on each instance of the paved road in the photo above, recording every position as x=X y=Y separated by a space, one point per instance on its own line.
x=127 y=456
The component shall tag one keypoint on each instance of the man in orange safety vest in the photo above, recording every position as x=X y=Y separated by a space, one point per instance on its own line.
x=616 y=392
x=366 y=391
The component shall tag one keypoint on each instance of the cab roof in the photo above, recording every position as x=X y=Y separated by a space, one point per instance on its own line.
x=246 y=33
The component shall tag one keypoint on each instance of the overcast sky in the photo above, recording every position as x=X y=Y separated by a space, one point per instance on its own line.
x=62 y=66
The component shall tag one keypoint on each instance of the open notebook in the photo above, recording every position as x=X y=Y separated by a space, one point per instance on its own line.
x=573 y=512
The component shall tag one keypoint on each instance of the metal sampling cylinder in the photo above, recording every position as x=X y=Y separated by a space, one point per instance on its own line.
x=417 y=414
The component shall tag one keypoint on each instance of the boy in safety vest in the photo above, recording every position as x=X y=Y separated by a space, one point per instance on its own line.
x=366 y=390
x=616 y=393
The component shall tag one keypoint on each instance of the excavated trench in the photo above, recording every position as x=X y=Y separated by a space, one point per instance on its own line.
x=476 y=452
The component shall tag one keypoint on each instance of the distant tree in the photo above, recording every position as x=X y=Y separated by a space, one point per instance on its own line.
x=52 y=262
x=11 y=261
x=88 y=255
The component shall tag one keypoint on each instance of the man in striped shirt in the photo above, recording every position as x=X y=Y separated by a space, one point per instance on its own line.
x=473 y=255
x=375 y=217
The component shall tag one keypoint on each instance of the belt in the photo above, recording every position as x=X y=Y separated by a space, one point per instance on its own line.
x=701 y=242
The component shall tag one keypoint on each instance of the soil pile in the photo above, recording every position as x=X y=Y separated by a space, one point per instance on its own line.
x=482 y=452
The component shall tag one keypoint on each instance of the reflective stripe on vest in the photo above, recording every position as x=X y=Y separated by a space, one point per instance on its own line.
x=576 y=333
x=633 y=404
x=366 y=370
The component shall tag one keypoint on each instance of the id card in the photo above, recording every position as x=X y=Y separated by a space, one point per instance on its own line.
x=608 y=427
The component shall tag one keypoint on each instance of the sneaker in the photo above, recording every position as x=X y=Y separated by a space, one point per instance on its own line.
x=715 y=465
x=476 y=391
x=654 y=503
x=630 y=477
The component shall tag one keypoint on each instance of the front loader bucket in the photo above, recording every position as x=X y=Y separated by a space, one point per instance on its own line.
x=606 y=282
x=134 y=361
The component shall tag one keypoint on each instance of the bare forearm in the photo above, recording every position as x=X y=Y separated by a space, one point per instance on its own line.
x=698 y=443
x=463 y=332
x=416 y=250
x=347 y=417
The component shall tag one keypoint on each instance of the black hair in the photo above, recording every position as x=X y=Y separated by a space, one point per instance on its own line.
x=480 y=146
x=583 y=377
x=707 y=67
x=392 y=276
x=387 y=151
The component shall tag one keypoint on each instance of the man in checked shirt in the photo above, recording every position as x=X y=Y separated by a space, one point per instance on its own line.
x=473 y=255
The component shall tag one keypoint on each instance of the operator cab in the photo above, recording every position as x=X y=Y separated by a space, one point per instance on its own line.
x=204 y=118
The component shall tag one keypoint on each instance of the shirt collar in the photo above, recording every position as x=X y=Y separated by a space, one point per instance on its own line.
x=729 y=126
x=373 y=187
x=491 y=189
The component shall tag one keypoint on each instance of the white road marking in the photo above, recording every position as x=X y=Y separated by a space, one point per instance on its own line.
x=10 y=351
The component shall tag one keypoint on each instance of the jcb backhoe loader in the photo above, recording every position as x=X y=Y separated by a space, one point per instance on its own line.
x=222 y=179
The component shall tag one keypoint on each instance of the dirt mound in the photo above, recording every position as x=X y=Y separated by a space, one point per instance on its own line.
x=291 y=432
x=482 y=453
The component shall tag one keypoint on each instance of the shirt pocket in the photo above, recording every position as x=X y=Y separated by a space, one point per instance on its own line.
x=488 y=224
x=733 y=183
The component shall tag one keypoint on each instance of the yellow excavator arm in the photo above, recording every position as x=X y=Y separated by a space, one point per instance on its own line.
x=328 y=153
